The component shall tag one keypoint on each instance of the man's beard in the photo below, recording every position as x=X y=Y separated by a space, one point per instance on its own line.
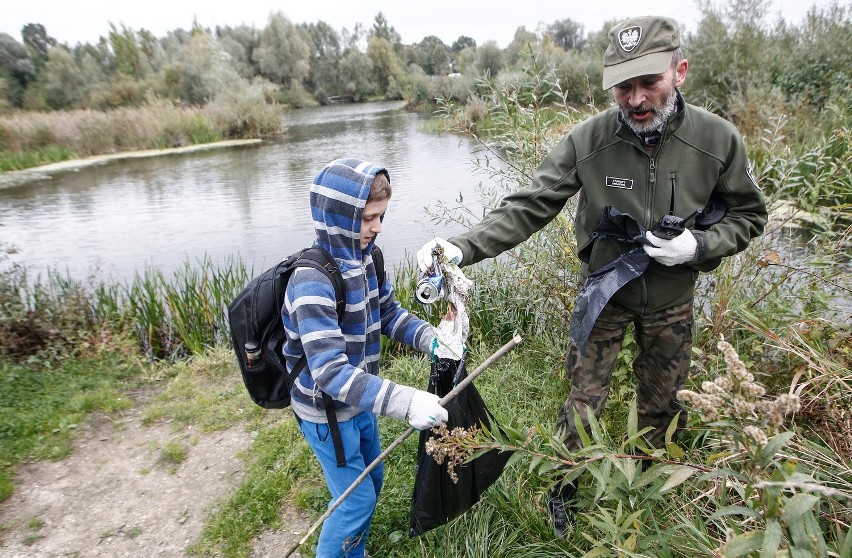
x=662 y=113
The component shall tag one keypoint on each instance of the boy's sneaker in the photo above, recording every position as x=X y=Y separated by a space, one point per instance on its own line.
x=561 y=503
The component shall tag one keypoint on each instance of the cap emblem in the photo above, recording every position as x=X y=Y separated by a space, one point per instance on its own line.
x=629 y=37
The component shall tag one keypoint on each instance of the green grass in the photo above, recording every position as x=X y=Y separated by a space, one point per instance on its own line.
x=173 y=453
x=204 y=391
x=42 y=407
x=18 y=160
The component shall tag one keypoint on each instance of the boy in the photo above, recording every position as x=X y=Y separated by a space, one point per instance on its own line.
x=348 y=201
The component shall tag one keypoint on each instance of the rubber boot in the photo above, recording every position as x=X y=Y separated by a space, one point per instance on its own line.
x=561 y=503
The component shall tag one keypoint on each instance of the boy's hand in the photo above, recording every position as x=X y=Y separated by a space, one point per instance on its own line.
x=452 y=253
x=424 y=411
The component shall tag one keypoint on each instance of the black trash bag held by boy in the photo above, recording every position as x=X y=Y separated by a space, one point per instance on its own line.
x=437 y=499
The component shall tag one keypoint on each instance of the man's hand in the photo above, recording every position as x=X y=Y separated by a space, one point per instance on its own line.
x=424 y=411
x=452 y=253
x=679 y=250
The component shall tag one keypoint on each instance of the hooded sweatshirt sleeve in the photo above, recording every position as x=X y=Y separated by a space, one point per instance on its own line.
x=401 y=325
x=312 y=318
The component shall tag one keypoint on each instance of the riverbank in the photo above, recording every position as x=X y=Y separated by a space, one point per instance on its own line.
x=44 y=172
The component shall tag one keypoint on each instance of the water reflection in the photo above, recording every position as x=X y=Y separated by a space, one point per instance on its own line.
x=249 y=201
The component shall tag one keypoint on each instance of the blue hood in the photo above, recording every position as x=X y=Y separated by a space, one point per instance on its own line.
x=338 y=196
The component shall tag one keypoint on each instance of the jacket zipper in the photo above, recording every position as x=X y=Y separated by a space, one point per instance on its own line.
x=649 y=196
x=649 y=212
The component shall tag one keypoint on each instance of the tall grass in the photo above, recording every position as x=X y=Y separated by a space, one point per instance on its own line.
x=31 y=138
x=181 y=315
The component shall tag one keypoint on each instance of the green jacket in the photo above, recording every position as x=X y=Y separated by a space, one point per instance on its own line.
x=700 y=154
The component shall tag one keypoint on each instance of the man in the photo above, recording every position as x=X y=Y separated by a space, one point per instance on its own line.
x=649 y=156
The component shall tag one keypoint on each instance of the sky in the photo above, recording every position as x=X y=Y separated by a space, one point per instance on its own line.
x=86 y=20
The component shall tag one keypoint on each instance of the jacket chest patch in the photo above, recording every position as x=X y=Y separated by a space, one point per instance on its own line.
x=623 y=183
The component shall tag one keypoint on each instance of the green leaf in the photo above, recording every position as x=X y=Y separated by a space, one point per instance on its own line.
x=734 y=510
x=771 y=539
x=714 y=457
x=581 y=430
x=676 y=478
x=651 y=473
x=672 y=428
x=599 y=551
x=796 y=552
x=632 y=420
x=743 y=545
x=775 y=444
x=846 y=547
x=514 y=457
x=673 y=450
x=798 y=505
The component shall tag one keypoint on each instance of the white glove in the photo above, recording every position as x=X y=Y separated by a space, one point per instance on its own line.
x=452 y=253
x=680 y=249
x=424 y=411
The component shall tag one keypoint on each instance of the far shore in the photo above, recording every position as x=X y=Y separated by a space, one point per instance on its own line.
x=15 y=178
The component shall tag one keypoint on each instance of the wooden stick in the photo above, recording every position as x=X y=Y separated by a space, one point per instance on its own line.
x=444 y=400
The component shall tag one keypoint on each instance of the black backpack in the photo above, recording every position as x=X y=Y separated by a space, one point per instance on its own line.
x=257 y=333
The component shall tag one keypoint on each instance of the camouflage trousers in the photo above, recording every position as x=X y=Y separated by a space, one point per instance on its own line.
x=660 y=367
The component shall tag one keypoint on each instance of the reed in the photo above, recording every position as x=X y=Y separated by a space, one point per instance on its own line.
x=179 y=315
x=33 y=138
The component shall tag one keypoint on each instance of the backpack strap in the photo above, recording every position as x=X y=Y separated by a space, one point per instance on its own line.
x=379 y=262
x=318 y=258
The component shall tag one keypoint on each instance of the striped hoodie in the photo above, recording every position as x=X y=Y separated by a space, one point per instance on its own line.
x=343 y=358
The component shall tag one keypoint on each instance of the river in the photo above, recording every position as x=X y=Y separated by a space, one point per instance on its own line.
x=113 y=220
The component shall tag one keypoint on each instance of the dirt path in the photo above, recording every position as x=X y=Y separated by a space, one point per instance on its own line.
x=114 y=497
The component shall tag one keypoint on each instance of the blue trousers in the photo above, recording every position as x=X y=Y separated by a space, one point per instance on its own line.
x=344 y=533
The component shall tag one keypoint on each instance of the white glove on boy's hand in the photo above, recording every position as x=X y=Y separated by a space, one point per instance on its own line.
x=452 y=253
x=424 y=411
x=678 y=250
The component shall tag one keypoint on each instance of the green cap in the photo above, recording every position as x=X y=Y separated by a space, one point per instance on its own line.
x=639 y=46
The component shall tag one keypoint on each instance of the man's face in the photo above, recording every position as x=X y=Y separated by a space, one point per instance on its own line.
x=647 y=102
x=371 y=220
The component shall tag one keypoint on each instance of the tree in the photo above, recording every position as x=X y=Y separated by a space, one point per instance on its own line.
x=386 y=65
x=283 y=53
x=151 y=49
x=425 y=48
x=64 y=84
x=383 y=30
x=356 y=71
x=129 y=57
x=240 y=43
x=489 y=58
x=353 y=40
x=523 y=39
x=16 y=68
x=38 y=42
x=466 y=61
x=462 y=43
x=440 y=60
x=567 y=33
x=324 y=59
x=201 y=71
x=728 y=53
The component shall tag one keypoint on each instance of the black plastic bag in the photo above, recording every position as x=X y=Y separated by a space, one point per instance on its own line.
x=437 y=499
